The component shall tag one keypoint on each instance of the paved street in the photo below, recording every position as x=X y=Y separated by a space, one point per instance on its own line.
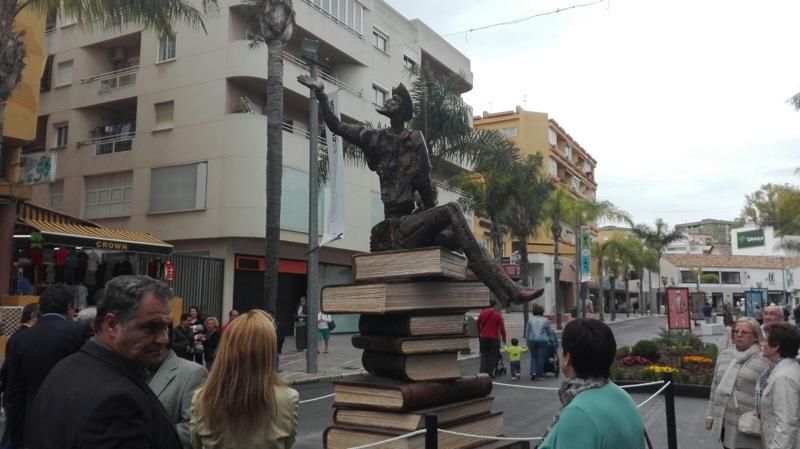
x=527 y=412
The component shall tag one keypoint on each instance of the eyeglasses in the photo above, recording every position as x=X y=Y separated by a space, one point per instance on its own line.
x=741 y=332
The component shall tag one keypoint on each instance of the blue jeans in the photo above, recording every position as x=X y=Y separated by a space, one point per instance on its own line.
x=538 y=356
x=515 y=369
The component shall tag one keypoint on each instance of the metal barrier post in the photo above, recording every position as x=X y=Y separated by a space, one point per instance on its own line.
x=431 y=431
x=669 y=401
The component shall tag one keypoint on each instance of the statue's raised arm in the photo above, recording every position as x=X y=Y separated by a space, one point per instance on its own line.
x=350 y=133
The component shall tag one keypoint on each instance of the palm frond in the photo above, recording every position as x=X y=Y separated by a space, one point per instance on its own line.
x=795 y=101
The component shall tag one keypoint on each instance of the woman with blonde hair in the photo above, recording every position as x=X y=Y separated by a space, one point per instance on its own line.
x=733 y=391
x=244 y=404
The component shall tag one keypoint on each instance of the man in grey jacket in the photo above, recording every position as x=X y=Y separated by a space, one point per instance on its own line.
x=174 y=382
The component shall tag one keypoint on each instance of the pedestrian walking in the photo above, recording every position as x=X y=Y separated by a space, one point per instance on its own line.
x=539 y=336
x=324 y=331
x=595 y=413
x=491 y=330
x=708 y=313
x=244 y=403
x=733 y=390
x=780 y=400
x=514 y=357
x=98 y=397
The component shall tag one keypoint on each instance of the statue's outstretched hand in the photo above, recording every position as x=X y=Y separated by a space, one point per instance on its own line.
x=314 y=84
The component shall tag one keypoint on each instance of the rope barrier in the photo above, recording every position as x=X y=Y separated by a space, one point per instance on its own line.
x=654 y=395
x=526 y=387
x=484 y=437
x=397 y=438
x=317 y=399
x=625 y=387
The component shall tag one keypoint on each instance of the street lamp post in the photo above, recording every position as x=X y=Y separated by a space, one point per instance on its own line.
x=557 y=266
x=309 y=52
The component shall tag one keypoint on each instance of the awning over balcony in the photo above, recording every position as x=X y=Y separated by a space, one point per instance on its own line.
x=62 y=229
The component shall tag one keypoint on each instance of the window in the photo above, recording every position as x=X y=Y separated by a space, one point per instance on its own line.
x=687 y=277
x=57 y=195
x=47 y=76
x=64 y=73
x=730 y=277
x=166 y=48
x=587 y=167
x=379 y=95
x=409 y=63
x=348 y=13
x=509 y=132
x=295 y=191
x=552 y=168
x=109 y=195
x=568 y=152
x=62 y=134
x=771 y=277
x=552 y=137
x=178 y=187
x=576 y=184
x=380 y=40
x=164 y=115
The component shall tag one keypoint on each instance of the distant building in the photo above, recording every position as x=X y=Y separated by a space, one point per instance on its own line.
x=719 y=230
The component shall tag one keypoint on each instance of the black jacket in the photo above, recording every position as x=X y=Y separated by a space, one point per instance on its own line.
x=4 y=368
x=30 y=358
x=181 y=340
x=95 y=399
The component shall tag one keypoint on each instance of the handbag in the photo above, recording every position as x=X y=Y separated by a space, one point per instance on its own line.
x=331 y=325
x=749 y=423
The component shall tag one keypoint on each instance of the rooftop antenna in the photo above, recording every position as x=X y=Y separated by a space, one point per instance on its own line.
x=525 y=101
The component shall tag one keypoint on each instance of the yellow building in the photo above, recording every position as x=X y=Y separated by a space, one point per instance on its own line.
x=570 y=165
x=21 y=116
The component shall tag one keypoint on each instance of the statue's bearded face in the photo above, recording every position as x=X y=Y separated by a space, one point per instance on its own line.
x=391 y=108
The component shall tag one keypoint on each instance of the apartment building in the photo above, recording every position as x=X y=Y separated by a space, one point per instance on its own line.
x=168 y=135
x=571 y=166
x=718 y=230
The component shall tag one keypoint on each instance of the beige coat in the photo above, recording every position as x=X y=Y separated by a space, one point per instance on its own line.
x=277 y=433
x=724 y=412
x=780 y=407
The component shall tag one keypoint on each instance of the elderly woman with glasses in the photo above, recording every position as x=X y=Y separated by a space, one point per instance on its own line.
x=779 y=402
x=734 y=388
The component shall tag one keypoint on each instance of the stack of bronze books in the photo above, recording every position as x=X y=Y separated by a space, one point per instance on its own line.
x=412 y=305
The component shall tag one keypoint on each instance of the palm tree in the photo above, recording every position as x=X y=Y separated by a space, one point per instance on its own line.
x=587 y=212
x=160 y=16
x=489 y=187
x=524 y=214
x=272 y=22
x=638 y=258
x=558 y=209
x=657 y=238
x=617 y=265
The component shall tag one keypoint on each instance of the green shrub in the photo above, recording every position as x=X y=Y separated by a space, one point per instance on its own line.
x=647 y=348
x=623 y=351
x=711 y=351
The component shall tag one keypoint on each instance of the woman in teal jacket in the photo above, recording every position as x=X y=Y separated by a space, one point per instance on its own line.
x=595 y=413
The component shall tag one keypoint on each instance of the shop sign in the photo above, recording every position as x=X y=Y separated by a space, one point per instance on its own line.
x=169 y=271
x=38 y=169
x=586 y=254
x=750 y=239
x=119 y=246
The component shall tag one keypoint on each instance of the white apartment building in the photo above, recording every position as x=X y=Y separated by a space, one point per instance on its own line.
x=151 y=133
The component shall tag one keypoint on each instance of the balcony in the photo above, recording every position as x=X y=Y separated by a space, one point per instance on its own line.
x=325 y=76
x=111 y=139
x=111 y=81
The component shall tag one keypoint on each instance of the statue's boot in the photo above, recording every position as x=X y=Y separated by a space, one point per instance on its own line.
x=506 y=290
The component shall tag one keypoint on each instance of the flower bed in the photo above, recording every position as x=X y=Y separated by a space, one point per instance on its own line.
x=685 y=356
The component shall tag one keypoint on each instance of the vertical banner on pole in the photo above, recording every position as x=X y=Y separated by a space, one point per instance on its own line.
x=334 y=224
x=586 y=254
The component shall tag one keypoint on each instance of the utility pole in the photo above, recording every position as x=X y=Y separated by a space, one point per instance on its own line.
x=309 y=52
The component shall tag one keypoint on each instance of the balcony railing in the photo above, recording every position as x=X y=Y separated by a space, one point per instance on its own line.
x=111 y=81
x=115 y=143
x=300 y=131
x=329 y=78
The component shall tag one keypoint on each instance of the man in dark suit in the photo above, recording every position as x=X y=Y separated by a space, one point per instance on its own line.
x=30 y=314
x=35 y=352
x=98 y=398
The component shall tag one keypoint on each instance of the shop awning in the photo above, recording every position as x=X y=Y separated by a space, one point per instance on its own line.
x=97 y=237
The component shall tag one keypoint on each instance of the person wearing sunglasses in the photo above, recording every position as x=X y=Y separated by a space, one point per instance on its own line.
x=733 y=390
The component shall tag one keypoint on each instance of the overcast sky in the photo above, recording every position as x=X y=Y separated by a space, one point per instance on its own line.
x=682 y=103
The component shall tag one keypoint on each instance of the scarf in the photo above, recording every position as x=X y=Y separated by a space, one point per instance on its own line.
x=569 y=389
x=728 y=382
x=761 y=386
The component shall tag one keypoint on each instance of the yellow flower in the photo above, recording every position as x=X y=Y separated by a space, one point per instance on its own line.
x=697 y=359
x=660 y=369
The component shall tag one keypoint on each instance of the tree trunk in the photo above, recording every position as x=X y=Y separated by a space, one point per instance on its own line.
x=642 y=308
x=526 y=279
x=556 y=276
x=497 y=239
x=628 y=294
x=613 y=282
x=602 y=289
x=274 y=171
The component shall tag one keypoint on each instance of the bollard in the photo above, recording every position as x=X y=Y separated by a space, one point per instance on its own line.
x=669 y=401
x=431 y=432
